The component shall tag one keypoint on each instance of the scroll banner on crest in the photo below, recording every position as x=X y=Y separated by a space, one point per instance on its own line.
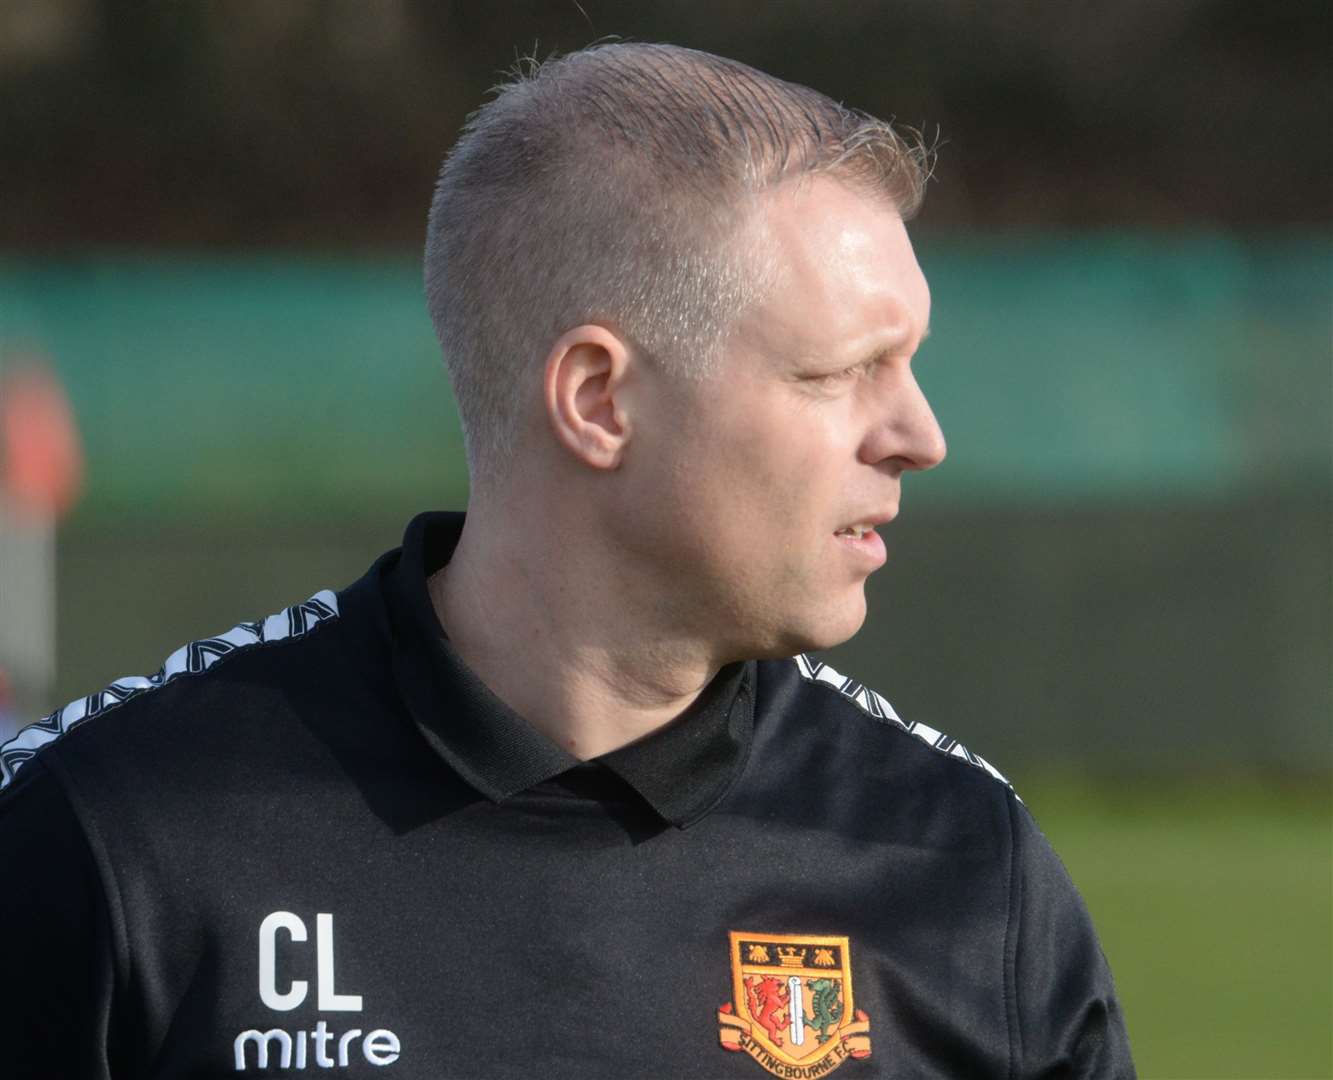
x=852 y=1039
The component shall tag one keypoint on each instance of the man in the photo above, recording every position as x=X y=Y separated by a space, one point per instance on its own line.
x=554 y=790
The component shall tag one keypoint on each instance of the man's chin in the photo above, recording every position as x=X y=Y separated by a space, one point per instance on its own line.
x=813 y=635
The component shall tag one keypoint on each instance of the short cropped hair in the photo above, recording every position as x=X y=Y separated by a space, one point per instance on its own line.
x=610 y=186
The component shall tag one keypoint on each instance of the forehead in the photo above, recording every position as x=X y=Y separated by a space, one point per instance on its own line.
x=843 y=272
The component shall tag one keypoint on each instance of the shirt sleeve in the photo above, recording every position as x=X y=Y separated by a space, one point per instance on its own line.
x=1068 y=1020
x=56 y=966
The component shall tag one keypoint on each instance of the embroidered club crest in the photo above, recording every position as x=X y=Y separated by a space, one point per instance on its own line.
x=792 y=1008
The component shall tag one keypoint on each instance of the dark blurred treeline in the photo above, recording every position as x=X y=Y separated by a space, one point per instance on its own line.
x=322 y=122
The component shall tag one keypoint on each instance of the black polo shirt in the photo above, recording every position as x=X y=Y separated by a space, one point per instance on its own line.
x=319 y=843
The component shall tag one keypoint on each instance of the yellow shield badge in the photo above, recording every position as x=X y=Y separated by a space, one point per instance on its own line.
x=792 y=1008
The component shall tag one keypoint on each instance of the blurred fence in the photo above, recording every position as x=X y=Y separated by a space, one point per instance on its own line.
x=1063 y=368
x=1124 y=564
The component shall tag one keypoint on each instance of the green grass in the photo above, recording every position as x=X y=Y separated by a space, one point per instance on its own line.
x=1214 y=902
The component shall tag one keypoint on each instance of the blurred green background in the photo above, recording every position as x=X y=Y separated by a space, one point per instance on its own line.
x=1118 y=586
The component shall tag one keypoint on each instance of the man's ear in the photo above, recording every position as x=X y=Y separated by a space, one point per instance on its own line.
x=585 y=395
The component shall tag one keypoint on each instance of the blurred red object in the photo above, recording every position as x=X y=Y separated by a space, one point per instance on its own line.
x=41 y=456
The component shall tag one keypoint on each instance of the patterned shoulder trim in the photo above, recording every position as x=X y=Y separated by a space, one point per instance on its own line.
x=868 y=701
x=191 y=659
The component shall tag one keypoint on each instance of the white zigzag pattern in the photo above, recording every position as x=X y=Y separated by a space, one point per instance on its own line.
x=868 y=701
x=190 y=659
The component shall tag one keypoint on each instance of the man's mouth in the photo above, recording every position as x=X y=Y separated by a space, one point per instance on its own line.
x=861 y=538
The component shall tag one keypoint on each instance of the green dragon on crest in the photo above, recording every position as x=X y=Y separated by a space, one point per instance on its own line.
x=827 y=1003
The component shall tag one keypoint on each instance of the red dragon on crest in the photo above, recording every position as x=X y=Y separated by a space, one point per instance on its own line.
x=768 y=1004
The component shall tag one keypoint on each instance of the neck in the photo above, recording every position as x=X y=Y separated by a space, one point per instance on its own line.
x=596 y=671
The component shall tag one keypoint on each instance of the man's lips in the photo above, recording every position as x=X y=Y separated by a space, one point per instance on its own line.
x=861 y=538
x=865 y=524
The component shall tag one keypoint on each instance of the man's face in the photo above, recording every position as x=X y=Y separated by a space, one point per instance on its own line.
x=757 y=488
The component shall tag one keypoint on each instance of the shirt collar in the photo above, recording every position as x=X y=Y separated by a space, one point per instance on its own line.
x=682 y=771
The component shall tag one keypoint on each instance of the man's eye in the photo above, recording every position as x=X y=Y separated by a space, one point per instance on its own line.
x=843 y=375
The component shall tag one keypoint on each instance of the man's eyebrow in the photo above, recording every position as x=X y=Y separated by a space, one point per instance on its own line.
x=876 y=355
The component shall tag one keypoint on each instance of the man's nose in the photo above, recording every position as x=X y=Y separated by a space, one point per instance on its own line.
x=907 y=431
